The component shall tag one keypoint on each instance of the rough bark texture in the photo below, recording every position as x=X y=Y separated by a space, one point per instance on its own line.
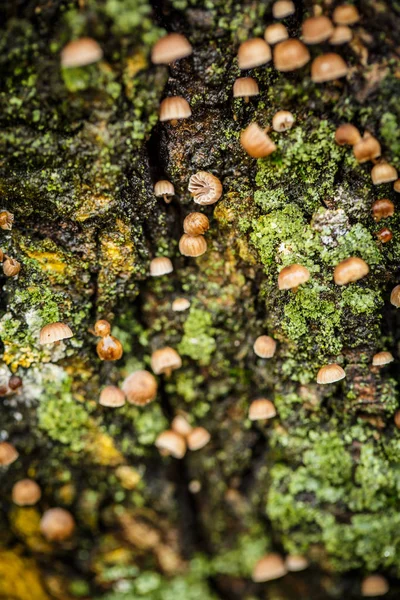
x=80 y=151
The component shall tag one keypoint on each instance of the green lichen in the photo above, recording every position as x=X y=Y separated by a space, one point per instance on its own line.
x=198 y=342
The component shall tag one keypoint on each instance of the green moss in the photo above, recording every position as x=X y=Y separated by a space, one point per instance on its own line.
x=198 y=341
x=389 y=130
x=240 y=561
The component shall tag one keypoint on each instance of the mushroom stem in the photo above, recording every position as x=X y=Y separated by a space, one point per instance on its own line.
x=246 y=99
x=168 y=373
x=174 y=122
x=295 y=289
x=167 y=199
x=92 y=331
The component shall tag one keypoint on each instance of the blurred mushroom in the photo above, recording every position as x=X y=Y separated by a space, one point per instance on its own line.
x=367 y=149
x=374 y=585
x=282 y=121
x=328 y=67
x=57 y=524
x=253 y=53
x=171 y=443
x=290 y=55
x=292 y=276
x=140 y=388
x=275 y=33
x=11 y=267
x=269 y=567
x=382 y=209
x=347 y=134
x=180 y=304
x=283 y=8
x=383 y=173
x=26 y=492
x=8 y=454
x=316 y=29
x=395 y=296
x=112 y=397
x=170 y=48
x=165 y=360
x=382 y=358
x=6 y=220
x=256 y=142
x=160 y=266
x=264 y=346
x=197 y=438
x=346 y=14
x=349 y=270
x=341 y=35
x=81 y=52
x=296 y=562
x=261 y=409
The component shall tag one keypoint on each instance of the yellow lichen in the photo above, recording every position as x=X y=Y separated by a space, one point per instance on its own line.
x=19 y=578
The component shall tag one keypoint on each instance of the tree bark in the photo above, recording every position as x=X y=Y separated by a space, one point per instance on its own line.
x=81 y=149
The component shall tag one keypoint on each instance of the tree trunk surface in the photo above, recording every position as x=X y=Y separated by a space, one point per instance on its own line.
x=80 y=151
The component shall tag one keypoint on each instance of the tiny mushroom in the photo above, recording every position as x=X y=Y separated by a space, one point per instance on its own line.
x=382 y=358
x=57 y=524
x=296 y=562
x=290 y=55
x=192 y=245
x=112 y=397
x=330 y=374
x=384 y=235
x=383 y=173
x=374 y=585
x=261 y=409
x=382 y=209
x=396 y=185
x=283 y=8
x=269 y=567
x=174 y=108
x=8 y=454
x=397 y=419
x=161 y=265
x=54 y=332
x=282 y=121
x=196 y=223
x=253 y=53
x=6 y=220
x=171 y=443
x=347 y=134
x=180 y=425
x=349 y=270
x=346 y=14
x=395 y=296
x=292 y=276
x=205 y=188
x=165 y=360
x=11 y=267
x=342 y=34
x=328 y=67
x=109 y=348
x=15 y=382
x=81 y=52
x=244 y=87
x=102 y=328
x=275 y=33
x=368 y=148
x=164 y=189
x=264 y=346
x=180 y=304
x=256 y=141
x=197 y=438
x=26 y=492
x=170 y=48
x=316 y=29
x=140 y=388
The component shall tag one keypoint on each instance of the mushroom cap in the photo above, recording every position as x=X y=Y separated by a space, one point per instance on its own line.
x=196 y=223
x=170 y=48
x=6 y=220
x=283 y=8
x=349 y=270
x=198 y=438
x=296 y=562
x=102 y=328
x=180 y=304
x=54 y=332
x=346 y=14
x=316 y=29
x=275 y=33
x=341 y=35
x=180 y=425
x=161 y=265
x=165 y=360
x=26 y=492
x=269 y=567
x=8 y=454
x=347 y=134
x=395 y=296
x=11 y=267
x=374 y=585
x=383 y=173
x=164 y=188
x=140 y=388
x=367 y=149
x=112 y=397
x=171 y=443
x=244 y=87
x=328 y=67
x=290 y=55
x=253 y=53
x=264 y=346
x=396 y=185
x=384 y=235
x=14 y=382
x=382 y=358
x=292 y=276
x=109 y=348
x=256 y=142
x=57 y=524
x=261 y=409
x=81 y=52
x=397 y=419
x=174 y=107
x=382 y=209
x=282 y=121
x=192 y=245
x=330 y=374
x=205 y=188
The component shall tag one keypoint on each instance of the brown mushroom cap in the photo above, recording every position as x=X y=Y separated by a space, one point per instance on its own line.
x=140 y=388
x=163 y=188
x=374 y=585
x=170 y=48
x=192 y=245
x=165 y=360
x=197 y=438
x=396 y=185
x=346 y=14
x=26 y=492
x=180 y=304
x=384 y=235
x=256 y=142
x=245 y=87
x=283 y=8
x=347 y=134
x=383 y=173
x=205 y=188
x=112 y=397
x=261 y=409
x=397 y=419
x=102 y=328
x=264 y=346
x=296 y=562
x=269 y=567
x=382 y=209
x=349 y=270
x=80 y=53
x=328 y=67
x=290 y=55
x=180 y=425
x=342 y=34
x=275 y=33
x=253 y=53
x=382 y=358
x=173 y=108
x=330 y=374
x=54 y=332
x=160 y=266
x=11 y=267
x=109 y=348
x=367 y=149
x=196 y=223
x=395 y=296
x=6 y=220
x=316 y=29
x=171 y=443
x=282 y=121
x=14 y=382
x=57 y=524
x=8 y=454
x=292 y=276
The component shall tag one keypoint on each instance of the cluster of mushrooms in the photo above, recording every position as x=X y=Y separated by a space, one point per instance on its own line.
x=11 y=267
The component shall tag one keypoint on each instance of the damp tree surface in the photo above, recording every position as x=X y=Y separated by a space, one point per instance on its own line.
x=80 y=151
